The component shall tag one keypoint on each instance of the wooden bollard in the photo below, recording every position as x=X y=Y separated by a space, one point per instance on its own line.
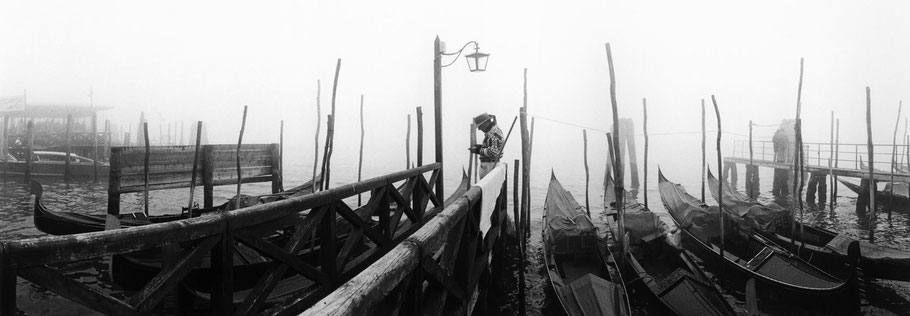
x=617 y=164
x=4 y=147
x=831 y=167
x=519 y=240
x=189 y=207
x=836 y=159
x=894 y=158
x=798 y=180
x=331 y=129
x=750 y=183
x=629 y=135
x=66 y=141
x=525 y=159
x=280 y=155
x=318 y=123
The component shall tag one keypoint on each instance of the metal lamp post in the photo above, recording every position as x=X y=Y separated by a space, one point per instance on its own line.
x=477 y=62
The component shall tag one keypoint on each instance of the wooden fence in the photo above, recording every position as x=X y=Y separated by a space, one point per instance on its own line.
x=313 y=267
x=442 y=268
x=171 y=167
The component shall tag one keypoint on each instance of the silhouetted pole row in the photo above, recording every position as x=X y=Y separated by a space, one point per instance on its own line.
x=189 y=207
x=316 y=149
x=239 y=171
x=897 y=123
x=617 y=164
x=871 y=164
x=720 y=184
x=644 y=108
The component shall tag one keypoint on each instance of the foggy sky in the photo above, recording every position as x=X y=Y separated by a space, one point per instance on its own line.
x=179 y=60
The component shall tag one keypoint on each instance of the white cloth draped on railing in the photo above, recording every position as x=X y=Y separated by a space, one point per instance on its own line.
x=490 y=186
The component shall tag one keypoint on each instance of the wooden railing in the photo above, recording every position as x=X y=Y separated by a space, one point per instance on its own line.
x=437 y=270
x=305 y=254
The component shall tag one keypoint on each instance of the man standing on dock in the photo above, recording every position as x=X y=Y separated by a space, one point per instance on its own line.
x=491 y=149
x=781 y=152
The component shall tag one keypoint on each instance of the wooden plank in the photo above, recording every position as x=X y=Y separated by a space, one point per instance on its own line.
x=840 y=172
x=276 y=253
x=77 y=292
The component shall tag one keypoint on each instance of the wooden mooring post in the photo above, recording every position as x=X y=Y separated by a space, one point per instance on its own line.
x=190 y=207
x=831 y=168
x=472 y=139
x=239 y=201
x=525 y=160
x=644 y=108
x=30 y=148
x=419 y=136
x=95 y=146
x=720 y=191
x=66 y=141
x=360 y=159
x=145 y=190
x=894 y=158
x=519 y=238
x=617 y=165
x=4 y=146
x=280 y=155
x=318 y=123
x=584 y=136
x=872 y=189
x=836 y=159
x=407 y=145
x=704 y=163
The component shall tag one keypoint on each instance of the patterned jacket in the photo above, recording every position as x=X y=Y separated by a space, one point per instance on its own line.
x=491 y=150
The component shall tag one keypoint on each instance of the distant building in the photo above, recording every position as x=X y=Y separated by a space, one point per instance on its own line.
x=49 y=127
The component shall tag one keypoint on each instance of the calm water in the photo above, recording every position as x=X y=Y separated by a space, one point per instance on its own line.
x=879 y=297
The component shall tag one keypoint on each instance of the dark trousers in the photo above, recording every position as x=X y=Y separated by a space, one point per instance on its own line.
x=779 y=188
x=817 y=182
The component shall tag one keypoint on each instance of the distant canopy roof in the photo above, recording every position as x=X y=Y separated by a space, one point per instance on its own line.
x=16 y=107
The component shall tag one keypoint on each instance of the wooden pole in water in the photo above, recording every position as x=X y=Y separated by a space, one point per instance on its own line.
x=107 y=139
x=836 y=158
x=419 y=136
x=617 y=164
x=189 y=207
x=525 y=160
x=471 y=141
x=720 y=191
x=407 y=145
x=323 y=183
x=797 y=162
x=239 y=143
x=520 y=237
x=831 y=167
x=750 y=170
x=871 y=164
x=477 y=157
x=182 y=126
x=897 y=124
x=280 y=154
x=318 y=123
x=330 y=135
x=704 y=163
x=95 y=145
x=644 y=107
x=584 y=136
x=4 y=147
x=360 y=160
x=528 y=196
x=30 y=139
x=145 y=170
x=66 y=141
x=437 y=115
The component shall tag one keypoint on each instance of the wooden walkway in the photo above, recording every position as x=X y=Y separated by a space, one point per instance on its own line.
x=840 y=172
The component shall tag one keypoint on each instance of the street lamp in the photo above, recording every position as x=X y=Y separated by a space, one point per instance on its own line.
x=477 y=62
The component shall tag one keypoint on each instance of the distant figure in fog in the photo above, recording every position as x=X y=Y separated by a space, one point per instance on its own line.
x=491 y=149
x=781 y=146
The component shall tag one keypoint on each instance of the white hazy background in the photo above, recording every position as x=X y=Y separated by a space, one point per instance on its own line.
x=204 y=60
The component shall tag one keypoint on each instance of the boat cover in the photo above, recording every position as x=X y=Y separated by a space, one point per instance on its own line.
x=754 y=215
x=590 y=295
x=567 y=223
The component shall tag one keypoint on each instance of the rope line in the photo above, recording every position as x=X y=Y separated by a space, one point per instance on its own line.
x=649 y=134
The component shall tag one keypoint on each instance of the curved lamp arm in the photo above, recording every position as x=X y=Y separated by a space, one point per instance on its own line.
x=458 y=53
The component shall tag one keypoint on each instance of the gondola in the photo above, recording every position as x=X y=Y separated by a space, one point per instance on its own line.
x=66 y=223
x=820 y=246
x=900 y=196
x=753 y=256
x=578 y=272
x=132 y=271
x=669 y=273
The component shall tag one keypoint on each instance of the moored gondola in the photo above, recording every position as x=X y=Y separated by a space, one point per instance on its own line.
x=751 y=256
x=669 y=274
x=575 y=259
x=817 y=245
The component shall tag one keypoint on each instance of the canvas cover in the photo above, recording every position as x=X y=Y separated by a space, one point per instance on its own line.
x=569 y=227
x=591 y=295
x=751 y=214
